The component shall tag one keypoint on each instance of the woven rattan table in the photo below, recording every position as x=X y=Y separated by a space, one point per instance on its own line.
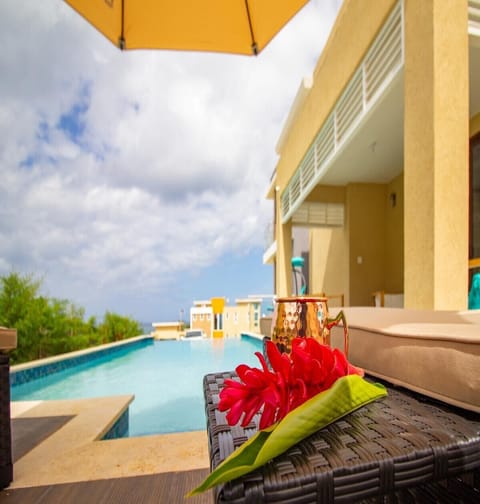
x=402 y=448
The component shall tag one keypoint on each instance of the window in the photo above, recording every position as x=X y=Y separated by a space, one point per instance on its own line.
x=475 y=196
x=218 y=322
x=474 y=213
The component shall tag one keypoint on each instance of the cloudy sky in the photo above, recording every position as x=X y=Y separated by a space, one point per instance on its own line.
x=135 y=182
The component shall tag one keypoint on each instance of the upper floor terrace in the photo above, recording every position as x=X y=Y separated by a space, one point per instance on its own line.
x=361 y=139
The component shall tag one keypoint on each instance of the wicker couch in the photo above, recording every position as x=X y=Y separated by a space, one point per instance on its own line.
x=419 y=444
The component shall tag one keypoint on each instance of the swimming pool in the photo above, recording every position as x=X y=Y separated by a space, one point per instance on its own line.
x=165 y=376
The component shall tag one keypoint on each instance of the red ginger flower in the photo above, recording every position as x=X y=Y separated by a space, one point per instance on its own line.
x=260 y=388
x=310 y=369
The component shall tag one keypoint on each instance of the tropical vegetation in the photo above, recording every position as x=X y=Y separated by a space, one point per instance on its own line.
x=49 y=326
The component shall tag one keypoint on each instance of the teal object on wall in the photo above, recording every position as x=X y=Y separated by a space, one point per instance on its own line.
x=474 y=294
x=298 y=262
x=297 y=267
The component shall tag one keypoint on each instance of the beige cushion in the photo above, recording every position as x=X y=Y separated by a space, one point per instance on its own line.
x=434 y=353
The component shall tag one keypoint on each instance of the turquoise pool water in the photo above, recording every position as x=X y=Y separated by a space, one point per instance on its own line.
x=165 y=376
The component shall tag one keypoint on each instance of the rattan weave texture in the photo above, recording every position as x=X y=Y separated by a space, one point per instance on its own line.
x=6 y=467
x=400 y=448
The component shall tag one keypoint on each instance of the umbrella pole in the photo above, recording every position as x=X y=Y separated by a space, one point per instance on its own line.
x=121 y=40
x=254 y=44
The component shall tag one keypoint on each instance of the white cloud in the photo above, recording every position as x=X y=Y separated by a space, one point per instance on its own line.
x=170 y=164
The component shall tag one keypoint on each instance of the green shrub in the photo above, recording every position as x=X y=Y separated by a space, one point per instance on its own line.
x=50 y=326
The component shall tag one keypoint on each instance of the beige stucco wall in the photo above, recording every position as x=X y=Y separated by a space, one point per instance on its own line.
x=329 y=261
x=240 y=318
x=328 y=249
x=436 y=154
x=167 y=332
x=283 y=271
x=236 y=319
x=201 y=317
x=373 y=231
x=366 y=229
x=204 y=324
x=394 y=241
x=327 y=194
x=230 y=324
x=255 y=316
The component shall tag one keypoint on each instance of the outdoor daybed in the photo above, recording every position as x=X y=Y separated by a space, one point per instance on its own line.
x=436 y=353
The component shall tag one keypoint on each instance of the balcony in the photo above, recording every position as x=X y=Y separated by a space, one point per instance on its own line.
x=377 y=74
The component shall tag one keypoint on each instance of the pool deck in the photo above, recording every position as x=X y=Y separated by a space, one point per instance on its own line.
x=71 y=451
x=59 y=455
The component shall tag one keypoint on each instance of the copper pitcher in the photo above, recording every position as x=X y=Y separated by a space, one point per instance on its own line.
x=304 y=317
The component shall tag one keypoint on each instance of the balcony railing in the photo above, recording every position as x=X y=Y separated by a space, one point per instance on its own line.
x=474 y=17
x=381 y=64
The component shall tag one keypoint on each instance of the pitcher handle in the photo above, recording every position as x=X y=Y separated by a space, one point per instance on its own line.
x=334 y=322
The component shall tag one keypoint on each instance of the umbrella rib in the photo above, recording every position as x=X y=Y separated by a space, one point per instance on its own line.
x=254 y=43
x=121 y=40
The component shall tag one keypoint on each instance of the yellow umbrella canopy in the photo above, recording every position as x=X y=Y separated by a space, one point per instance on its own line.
x=232 y=26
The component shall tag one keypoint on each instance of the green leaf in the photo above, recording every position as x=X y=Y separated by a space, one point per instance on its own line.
x=346 y=395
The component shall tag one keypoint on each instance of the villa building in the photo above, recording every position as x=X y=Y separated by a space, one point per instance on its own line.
x=167 y=330
x=243 y=317
x=380 y=157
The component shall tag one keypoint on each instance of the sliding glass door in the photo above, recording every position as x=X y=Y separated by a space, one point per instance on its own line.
x=474 y=249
